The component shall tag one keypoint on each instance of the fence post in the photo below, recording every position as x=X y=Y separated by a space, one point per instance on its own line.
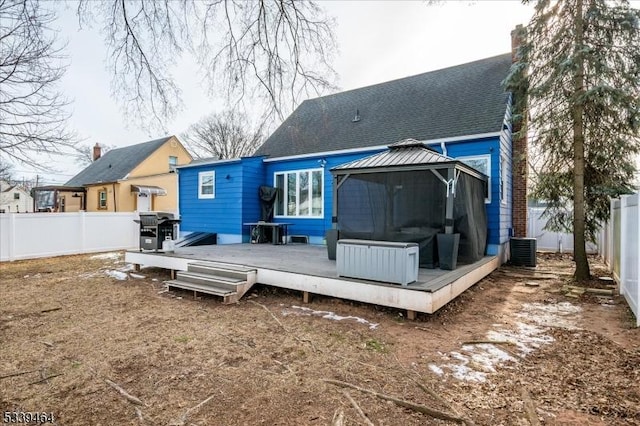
x=623 y=241
x=637 y=260
x=12 y=236
x=610 y=236
x=83 y=232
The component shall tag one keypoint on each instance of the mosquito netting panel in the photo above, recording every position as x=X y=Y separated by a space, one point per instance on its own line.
x=409 y=206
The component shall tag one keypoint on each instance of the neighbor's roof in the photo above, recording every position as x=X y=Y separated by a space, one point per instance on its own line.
x=463 y=100
x=117 y=163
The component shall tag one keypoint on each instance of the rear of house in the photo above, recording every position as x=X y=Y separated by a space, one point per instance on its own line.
x=461 y=112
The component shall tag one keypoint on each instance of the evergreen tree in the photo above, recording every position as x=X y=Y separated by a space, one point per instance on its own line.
x=580 y=69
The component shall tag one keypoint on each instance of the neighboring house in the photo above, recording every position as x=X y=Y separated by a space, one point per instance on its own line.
x=139 y=177
x=461 y=111
x=14 y=199
x=58 y=198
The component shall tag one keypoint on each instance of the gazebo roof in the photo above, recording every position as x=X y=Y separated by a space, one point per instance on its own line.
x=407 y=154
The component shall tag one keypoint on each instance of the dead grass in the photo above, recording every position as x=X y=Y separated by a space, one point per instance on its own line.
x=200 y=362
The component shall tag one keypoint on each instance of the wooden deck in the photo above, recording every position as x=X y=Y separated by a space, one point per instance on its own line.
x=306 y=268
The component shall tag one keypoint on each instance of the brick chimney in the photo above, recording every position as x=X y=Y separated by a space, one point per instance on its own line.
x=520 y=150
x=97 y=151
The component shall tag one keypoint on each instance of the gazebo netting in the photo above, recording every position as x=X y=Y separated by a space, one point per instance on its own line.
x=409 y=204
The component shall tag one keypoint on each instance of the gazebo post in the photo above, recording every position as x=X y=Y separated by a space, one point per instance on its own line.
x=448 y=218
x=334 y=205
x=331 y=235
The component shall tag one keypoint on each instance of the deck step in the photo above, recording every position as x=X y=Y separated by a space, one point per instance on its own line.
x=221 y=269
x=210 y=279
x=200 y=288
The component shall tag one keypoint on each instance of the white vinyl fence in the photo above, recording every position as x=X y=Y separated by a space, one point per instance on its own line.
x=548 y=240
x=31 y=235
x=621 y=242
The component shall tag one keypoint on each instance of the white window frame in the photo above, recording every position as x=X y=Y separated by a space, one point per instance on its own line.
x=201 y=177
x=487 y=158
x=285 y=193
x=100 y=199
x=173 y=164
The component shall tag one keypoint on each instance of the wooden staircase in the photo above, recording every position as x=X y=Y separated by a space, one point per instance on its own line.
x=228 y=281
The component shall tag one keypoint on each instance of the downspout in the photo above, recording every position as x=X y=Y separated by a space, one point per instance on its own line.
x=443 y=147
x=115 y=206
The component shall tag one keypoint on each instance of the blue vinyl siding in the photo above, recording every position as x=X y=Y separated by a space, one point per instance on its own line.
x=220 y=214
x=252 y=178
x=237 y=200
x=487 y=146
x=315 y=228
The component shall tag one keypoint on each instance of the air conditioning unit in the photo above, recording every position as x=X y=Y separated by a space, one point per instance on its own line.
x=523 y=251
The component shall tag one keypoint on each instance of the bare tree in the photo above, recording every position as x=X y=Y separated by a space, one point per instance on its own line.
x=273 y=51
x=32 y=111
x=6 y=170
x=225 y=135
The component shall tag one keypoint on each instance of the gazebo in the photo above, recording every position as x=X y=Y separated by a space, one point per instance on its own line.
x=412 y=193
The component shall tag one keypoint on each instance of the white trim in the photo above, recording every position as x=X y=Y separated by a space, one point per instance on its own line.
x=201 y=175
x=488 y=172
x=178 y=205
x=504 y=184
x=379 y=147
x=209 y=163
x=285 y=193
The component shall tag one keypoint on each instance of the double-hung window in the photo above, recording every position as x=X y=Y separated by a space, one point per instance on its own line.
x=173 y=162
x=206 y=184
x=300 y=193
x=481 y=163
x=102 y=199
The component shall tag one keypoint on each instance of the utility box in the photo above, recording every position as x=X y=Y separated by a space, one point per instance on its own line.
x=383 y=261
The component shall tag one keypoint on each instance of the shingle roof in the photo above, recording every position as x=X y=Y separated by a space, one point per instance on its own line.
x=116 y=164
x=462 y=100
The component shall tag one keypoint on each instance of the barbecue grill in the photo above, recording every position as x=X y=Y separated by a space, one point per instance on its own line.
x=155 y=227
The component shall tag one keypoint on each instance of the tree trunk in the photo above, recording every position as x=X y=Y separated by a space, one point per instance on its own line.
x=579 y=243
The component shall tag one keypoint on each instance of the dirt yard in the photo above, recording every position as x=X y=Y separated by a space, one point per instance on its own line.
x=86 y=339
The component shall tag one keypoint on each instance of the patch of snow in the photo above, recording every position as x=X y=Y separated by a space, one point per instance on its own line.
x=479 y=360
x=561 y=315
x=114 y=255
x=301 y=310
x=462 y=372
x=118 y=275
x=476 y=363
x=526 y=337
x=488 y=355
x=139 y=277
x=436 y=369
x=88 y=275
x=126 y=268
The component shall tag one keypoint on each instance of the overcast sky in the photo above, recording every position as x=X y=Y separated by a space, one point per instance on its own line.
x=378 y=41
